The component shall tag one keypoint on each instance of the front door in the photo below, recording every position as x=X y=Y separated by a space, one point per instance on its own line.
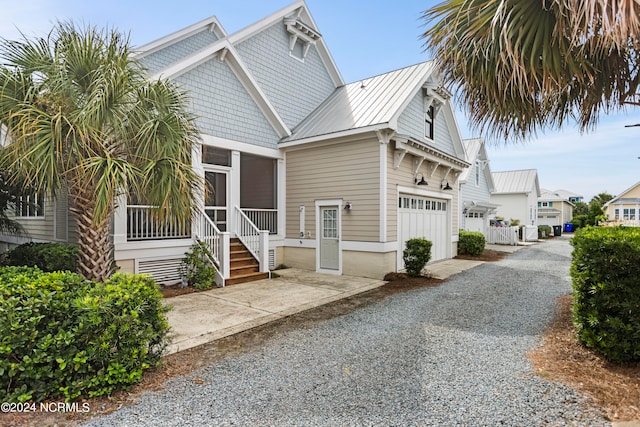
x=215 y=198
x=329 y=238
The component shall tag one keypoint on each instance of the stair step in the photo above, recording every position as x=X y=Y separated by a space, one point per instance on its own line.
x=243 y=269
x=250 y=277
x=243 y=262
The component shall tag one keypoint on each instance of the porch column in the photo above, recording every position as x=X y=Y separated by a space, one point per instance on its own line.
x=120 y=220
x=281 y=177
x=234 y=192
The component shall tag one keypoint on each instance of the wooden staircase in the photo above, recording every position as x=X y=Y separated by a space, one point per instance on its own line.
x=244 y=267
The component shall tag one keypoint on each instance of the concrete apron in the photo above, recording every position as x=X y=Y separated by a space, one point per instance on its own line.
x=202 y=317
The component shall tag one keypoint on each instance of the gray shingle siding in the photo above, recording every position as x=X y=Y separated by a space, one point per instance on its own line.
x=294 y=87
x=411 y=122
x=472 y=193
x=223 y=106
x=164 y=57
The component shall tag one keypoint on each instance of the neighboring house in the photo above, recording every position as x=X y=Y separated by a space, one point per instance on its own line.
x=624 y=209
x=554 y=208
x=516 y=193
x=569 y=196
x=337 y=177
x=476 y=186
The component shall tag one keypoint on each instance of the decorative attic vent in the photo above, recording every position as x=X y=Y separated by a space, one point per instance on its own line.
x=301 y=37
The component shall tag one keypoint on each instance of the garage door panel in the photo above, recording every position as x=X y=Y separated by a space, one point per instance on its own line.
x=422 y=217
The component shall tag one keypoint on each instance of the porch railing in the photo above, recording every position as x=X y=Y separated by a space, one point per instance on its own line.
x=255 y=240
x=264 y=219
x=218 y=244
x=143 y=225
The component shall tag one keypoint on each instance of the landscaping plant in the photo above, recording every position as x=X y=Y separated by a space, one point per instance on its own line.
x=471 y=243
x=64 y=336
x=606 y=290
x=416 y=255
x=46 y=256
x=196 y=267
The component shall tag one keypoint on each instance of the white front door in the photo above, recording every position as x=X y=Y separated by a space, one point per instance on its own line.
x=329 y=238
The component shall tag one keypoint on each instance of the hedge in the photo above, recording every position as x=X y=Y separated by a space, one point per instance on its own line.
x=606 y=290
x=64 y=336
x=471 y=243
x=46 y=256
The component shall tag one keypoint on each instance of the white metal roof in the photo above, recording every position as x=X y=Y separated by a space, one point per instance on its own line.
x=515 y=182
x=366 y=103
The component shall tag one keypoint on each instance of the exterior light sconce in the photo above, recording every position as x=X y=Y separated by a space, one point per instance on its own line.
x=445 y=186
x=420 y=181
x=347 y=206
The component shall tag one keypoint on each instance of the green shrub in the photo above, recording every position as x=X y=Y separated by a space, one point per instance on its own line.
x=45 y=256
x=606 y=290
x=61 y=335
x=471 y=243
x=544 y=231
x=416 y=255
x=196 y=267
x=579 y=221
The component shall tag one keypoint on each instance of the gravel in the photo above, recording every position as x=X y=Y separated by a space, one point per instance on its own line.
x=450 y=355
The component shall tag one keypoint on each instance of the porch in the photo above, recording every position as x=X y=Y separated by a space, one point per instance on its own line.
x=238 y=255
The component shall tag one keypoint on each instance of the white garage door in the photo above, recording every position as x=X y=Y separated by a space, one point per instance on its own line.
x=475 y=221
x=424 y=217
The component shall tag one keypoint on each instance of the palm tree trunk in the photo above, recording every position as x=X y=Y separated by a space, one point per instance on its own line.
x=95 y=246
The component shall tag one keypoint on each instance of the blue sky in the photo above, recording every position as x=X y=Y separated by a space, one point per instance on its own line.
x=365 y=38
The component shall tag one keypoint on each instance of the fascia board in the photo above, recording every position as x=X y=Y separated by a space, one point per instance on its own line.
x=334 y=135
x=241 y=72
x=245 y=33
x=182 y=34
x=420 y=80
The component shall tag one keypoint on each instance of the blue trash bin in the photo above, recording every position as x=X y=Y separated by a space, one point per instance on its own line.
x=568 y=228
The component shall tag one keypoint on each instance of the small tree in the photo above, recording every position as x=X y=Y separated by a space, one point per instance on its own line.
x=416 y=255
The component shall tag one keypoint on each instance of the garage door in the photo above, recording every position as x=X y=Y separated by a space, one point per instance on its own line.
x=474 y=221
x=424 y=217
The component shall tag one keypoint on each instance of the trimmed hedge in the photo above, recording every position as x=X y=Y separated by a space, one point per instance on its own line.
x=471 y=243
x=416 y=255
x=61 y=335
x=45 y=256
x=546 y=229
x=606 y=290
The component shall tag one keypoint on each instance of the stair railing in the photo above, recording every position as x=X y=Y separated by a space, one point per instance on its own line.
x=219 y=243
x=255 y=240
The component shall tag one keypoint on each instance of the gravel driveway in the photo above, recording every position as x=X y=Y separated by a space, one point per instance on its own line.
x=450 y=355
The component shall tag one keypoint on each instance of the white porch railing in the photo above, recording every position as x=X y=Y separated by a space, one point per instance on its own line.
x=255 y=240
x=264 y=219
x=218 y=243
x=503 y=235
x=143 y=225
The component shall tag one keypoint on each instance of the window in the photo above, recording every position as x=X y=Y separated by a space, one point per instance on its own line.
x=616 y=213
x=478 y=166
x=428 y=122
x=632 y=214
x=30 y=206
x=216 y=156
x=298 y=49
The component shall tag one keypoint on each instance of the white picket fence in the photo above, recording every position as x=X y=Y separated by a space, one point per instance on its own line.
x=503 y=235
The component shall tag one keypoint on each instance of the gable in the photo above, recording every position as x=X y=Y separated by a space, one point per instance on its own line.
x=162 y=58
x=223 y=106
x=412 y=122
x=294 y=86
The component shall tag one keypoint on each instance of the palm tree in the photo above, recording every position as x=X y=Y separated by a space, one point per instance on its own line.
x=82 y=115
x=525 y=65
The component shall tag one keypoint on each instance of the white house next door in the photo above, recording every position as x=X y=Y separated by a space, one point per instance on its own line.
x=329 y=238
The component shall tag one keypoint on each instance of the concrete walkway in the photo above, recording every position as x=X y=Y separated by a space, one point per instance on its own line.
x=202 y=317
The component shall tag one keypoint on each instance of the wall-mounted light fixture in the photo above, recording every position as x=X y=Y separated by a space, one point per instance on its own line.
x=420 y=181
x=444 y=185
x=347 y=206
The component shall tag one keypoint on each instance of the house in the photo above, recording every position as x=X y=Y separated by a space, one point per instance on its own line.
x=476 y=186
x=516 y=192
x=624 y=209
x=303 y=169
x=569 y=196
x=555 y=208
